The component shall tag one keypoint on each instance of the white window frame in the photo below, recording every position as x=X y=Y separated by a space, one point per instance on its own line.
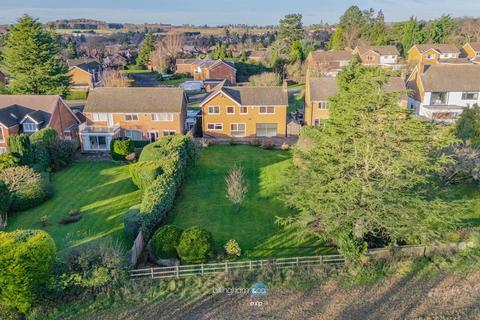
x=158 y=117
x=25 y=124
x=260 y=110
x=230 y=113
x=211 y=107
x=96 y=116
x=370 y=58
x=169 y=132
x=2 y=136
x=244 y=130
x=323 y=105
x=246 y=108
x=215 y=126
x=430 y=56
x=466 y=93
x=132 y=115
x=131 y=136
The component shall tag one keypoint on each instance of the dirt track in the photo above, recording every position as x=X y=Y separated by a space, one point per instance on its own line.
x=444 y=296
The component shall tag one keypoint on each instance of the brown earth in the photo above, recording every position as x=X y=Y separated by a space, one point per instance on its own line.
x=443 y=296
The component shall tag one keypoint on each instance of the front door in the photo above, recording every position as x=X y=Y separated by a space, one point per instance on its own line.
x=153 y=136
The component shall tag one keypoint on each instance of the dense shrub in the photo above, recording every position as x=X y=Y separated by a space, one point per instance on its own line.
x=232 y=248
x=8 y=160
x=165 y=241
x=132 y=222
x=46 y=136
x=5 y=198
x=467 y=127
x=195 y=244
x=27 y=187
x=120 y=148
x=62 y=153
x=41 y=157
x=165 y=147
x=145 y=172
x=19 y=145
x=26 y=261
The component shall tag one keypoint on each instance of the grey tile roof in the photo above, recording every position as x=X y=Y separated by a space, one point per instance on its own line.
x=381 y=50
x=149 y=100
x=451 y=78
x=253 y=96
x=14 y=107
x=321 y=56
x=442 y=48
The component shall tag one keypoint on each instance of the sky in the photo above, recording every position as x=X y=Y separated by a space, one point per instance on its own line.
x=221 y=12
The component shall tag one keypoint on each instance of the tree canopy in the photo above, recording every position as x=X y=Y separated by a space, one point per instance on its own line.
x=365 y=174
x=146 y=48
x=32 y=60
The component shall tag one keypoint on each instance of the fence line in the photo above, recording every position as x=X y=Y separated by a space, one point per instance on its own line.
x=181 y=271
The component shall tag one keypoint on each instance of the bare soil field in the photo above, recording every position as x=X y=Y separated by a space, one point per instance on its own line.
x=443 y=296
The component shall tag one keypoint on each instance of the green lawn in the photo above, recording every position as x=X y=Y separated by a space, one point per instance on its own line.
x=102 y=191
x=202 y=202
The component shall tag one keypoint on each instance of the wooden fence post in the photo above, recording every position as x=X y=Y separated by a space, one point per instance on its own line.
x=178 y=271
x=226 y=267
x=202 y=269
x=250 y=265
x=298 y=261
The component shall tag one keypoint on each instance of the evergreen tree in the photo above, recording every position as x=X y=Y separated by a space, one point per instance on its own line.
x=291 y=30
x=147 y=47
x=364 y=175
x=412 y=32
x=467 y=127
x=442 y=29
x=71 y=50
x=243 y=57
x=297 y=53
x=32 y=60
x=336 y=41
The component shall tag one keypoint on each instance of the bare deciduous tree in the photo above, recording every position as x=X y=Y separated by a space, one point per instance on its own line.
x=236 y=185
x=163 y=57
x=265 y=79
x=113 y=78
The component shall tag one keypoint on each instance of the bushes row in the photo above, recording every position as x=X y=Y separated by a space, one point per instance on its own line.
x=159 y=172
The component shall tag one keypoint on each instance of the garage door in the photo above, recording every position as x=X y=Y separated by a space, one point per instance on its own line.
x=266 y=129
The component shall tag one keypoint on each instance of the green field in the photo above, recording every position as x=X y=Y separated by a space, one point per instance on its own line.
x=202 y=201
x=102 y=191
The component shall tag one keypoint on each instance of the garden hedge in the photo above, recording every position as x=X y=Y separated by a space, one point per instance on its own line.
x=195 y=245
x=120 y=148
x=144 y=173
x=27 y=187
x=132 y=222
x=19 y=145
x=26 y=261
x=165 y=241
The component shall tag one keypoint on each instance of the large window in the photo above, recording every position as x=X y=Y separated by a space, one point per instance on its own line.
x=99 y=116
x=439 y=98
x=29 y=127
x=131 y=117
x=134 y=134
x=215 y=126
x=213 y=110
x=168 y=132
x=470 y=96
x=98 y=142
x=266 y=129
x=238 y=129
x=162 y=117
x=267 y=110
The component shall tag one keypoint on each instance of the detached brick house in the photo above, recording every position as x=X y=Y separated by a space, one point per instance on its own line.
x=136 y=113
x=383 y=56
x=245 y=112
x=84 y=74
x=208 y=70
x=30 y=113
x=431 y=53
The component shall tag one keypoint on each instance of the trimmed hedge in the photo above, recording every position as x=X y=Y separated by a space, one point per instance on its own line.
x=195 y=245
x=132 y=222
x=120 y=148
x=27 y=187
x=144 y=173
x=165 y=147
x=5 y=198
x=26 y=261
x=19 y=145
x=165 y=241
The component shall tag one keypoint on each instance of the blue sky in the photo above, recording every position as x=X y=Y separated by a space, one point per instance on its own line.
x=216 y=12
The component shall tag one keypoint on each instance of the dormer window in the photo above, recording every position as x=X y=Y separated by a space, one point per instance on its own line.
x=29 y=127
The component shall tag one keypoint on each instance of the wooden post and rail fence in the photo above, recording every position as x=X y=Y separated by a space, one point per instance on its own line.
x=182 y=271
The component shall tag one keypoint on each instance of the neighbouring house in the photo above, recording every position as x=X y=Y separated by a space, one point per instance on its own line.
x=136 y=113
x=442 y=91
x=319 y=90
x=84 y=74
x=30 y=113
x=208 y=69
x=257 y=55
x=471 y=50
x=431 y=53
x=327 y=63
x=245 y=112
x=383 y=56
